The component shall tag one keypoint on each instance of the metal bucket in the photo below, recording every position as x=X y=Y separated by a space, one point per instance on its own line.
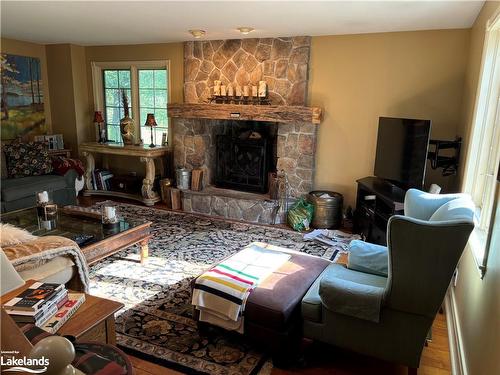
x=327 y=210
x=183 y=177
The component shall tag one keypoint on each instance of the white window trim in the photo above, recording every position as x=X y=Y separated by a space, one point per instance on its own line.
x=134 y=66
x=481 y=172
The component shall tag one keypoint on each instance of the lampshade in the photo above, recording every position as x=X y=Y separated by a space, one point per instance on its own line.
x=98 y=116
x=150 y=120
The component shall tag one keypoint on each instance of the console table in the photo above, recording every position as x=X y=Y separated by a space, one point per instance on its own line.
x=145 y=154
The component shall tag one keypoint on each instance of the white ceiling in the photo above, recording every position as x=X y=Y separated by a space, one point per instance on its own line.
x=133 y=22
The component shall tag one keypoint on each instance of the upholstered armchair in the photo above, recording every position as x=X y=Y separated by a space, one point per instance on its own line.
x=384 y=301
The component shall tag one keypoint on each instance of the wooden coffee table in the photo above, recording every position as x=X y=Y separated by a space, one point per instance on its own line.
x=105 y=242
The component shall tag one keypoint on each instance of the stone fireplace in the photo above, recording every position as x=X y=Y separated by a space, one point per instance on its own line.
x=245 y=155
x=195 y=146
x=236 y=156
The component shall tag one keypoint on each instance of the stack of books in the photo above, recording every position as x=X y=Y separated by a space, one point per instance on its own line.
x=101 y=179
x=46 y=305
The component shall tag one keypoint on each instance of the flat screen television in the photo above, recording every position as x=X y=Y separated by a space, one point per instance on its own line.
x=402 y=146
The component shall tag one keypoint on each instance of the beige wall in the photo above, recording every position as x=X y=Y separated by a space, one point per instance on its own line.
x=357 y=78
x=85 y=128
x=162 y=51
x=16 y=47
x=61 y=90
x=68 y=87
x=477 y=301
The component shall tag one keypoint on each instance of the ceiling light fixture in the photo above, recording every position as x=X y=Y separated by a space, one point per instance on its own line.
x=197 y=33
x=245 y=30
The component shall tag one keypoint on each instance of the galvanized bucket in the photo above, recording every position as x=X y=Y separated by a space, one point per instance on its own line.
x=327 y=209
x=183 y=177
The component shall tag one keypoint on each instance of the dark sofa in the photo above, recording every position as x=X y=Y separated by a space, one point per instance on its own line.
x=18 y=193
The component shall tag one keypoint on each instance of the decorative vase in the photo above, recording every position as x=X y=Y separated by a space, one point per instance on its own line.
x=127 y=130
x=127 y=127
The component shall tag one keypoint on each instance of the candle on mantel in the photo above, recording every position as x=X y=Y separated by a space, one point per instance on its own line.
x=254 y=91
x=262 y=89
x=217 y=88
x=230 y=90
x=246 y=91
x=238 y=90
x=223 y=91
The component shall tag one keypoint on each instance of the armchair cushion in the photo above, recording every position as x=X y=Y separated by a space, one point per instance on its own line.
x=458 y=209
x=352 y=293
x=367 y=257
x=421 y=205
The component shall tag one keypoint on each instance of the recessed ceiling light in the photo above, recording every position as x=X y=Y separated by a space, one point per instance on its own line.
x=197 y=33
x=245 y=30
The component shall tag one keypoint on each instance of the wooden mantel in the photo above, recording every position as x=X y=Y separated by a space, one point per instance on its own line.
x=271 y=113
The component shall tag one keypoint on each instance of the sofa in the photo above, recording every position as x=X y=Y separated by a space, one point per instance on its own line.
x=20 y=192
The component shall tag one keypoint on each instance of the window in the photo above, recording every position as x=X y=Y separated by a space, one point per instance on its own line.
x=114 y=82
x=484 y=147
x=146 y=84
x=153 y=99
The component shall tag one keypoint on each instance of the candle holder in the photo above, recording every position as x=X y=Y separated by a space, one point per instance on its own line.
x=109 y=216
x=45 y=208
x=46 y=223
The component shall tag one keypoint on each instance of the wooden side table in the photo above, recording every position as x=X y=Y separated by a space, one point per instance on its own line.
x=62 y=152
x=93 y=321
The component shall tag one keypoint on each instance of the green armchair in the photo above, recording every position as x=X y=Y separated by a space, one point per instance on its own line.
x=384 y=301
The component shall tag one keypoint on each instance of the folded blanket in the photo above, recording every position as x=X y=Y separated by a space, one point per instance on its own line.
x=33 y=254
x=221 y=293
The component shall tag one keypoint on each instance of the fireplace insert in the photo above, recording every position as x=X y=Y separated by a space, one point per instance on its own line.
x=243 y=161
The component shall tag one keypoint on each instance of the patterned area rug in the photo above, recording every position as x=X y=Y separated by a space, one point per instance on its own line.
x=156 y=322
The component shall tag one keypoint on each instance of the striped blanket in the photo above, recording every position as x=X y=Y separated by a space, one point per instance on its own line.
x=220 y=294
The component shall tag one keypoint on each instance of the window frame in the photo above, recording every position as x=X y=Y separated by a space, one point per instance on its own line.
x=98 y=85
x=483 y=156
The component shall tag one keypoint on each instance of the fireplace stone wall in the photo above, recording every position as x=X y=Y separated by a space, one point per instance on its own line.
x=282 y=62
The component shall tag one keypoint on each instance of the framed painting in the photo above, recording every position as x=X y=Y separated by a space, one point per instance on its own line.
x=21 y=97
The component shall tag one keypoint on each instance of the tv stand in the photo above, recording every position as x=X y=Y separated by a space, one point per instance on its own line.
x=377 y=200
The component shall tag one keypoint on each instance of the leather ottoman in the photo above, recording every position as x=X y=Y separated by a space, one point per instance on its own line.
x=272 y=312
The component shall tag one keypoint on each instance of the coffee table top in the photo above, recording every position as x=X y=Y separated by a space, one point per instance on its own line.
x=68 y=226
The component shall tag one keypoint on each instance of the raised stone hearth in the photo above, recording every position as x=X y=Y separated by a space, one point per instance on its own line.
x=230 y=204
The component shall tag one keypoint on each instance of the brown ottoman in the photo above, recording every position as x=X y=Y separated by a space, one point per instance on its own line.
x=272 y=312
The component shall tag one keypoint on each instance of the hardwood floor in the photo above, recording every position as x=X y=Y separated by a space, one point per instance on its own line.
x=322 y=359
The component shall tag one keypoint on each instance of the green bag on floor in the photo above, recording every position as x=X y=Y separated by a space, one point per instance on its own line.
x=300 y=215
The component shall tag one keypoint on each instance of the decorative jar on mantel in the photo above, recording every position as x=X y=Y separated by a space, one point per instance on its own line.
x=127 y=128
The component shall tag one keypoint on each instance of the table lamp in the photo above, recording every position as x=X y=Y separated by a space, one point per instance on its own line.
x=98 y=119
x=151 y=122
